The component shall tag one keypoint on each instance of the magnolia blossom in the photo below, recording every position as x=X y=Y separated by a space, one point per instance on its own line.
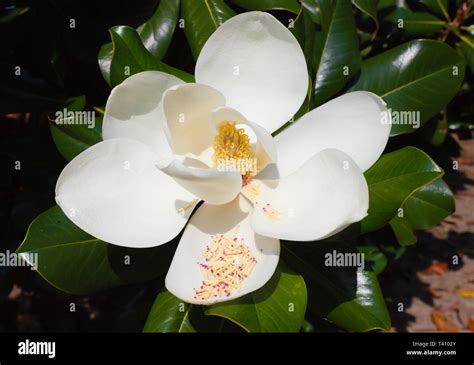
x=168 y=146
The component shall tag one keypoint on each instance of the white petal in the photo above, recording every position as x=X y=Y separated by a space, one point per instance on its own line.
x=265 y=150
x=114 y=192
x=258 y=65
x=231 y=220
x=208 y=184
x=133 y=111
x=352 y=123
x=327 y=193
x=187 y=109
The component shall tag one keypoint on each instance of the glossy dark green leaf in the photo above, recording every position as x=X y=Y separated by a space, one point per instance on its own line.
x=466 y=49
x=157 y=32
x=202 y=18
x=279 y=306
x=336 y=56
x=429 y=205
x=416 y=24
x=385 y=6
x=72 y=135
x=393 y=178
x=129 y=55
x=313 y=8
x=374 y=258
x=403 y=231
x=368 y=7
x=441 y=131
x=169 y=314
x=183 y=75
x=105 y=58
x=75 y=262
x=349 y=297
x=304 y=30
x=288 y=5
x=418 y=76
x=439 y=7
x=124 y=67
x=425 y=208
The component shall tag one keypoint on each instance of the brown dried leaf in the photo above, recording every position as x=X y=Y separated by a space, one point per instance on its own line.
x=438 y=268
x=465 y=293
x=434 y=293
x=470 y=325
x=442 y=324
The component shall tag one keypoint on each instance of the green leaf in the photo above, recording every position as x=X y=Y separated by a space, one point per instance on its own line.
x=183 y=75
x=279 y=306
x=403 y=231
x=348 y=296
x=429 y=205
x=157 y=32
x=374 y=258
x=288 y=5
x=441 y=131
x=313 y=8
x=74 y=134
x=466 y=49
x=336 y=56
x=415 y=24
x=105 y=58
x=75 y=262
x=129 y=55
x=425 y=208
x=368 y=7
x=202 y=18
x=437 y=6
x=304 y=30
x=418 y=76
x=383 y=5
x=169 y=314
x=392 y=180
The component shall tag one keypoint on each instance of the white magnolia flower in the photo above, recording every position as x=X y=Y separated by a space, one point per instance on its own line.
x=168 y=145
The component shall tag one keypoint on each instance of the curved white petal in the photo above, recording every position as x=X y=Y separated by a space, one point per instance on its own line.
x=132 y=110
x=232 y=220
x=327 y=193
x=357 y=123
x=114 y=192
x=209 y=184
x=187 y=109
x=265 y=150
x=258 y=65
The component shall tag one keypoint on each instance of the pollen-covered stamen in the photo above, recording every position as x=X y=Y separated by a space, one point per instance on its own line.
x=228 y=262
x=233 y=151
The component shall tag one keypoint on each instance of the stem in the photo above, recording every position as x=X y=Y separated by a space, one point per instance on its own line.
x=444 y=11
x=99 y=110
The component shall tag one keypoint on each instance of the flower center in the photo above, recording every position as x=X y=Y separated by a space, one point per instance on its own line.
x=233 y=151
